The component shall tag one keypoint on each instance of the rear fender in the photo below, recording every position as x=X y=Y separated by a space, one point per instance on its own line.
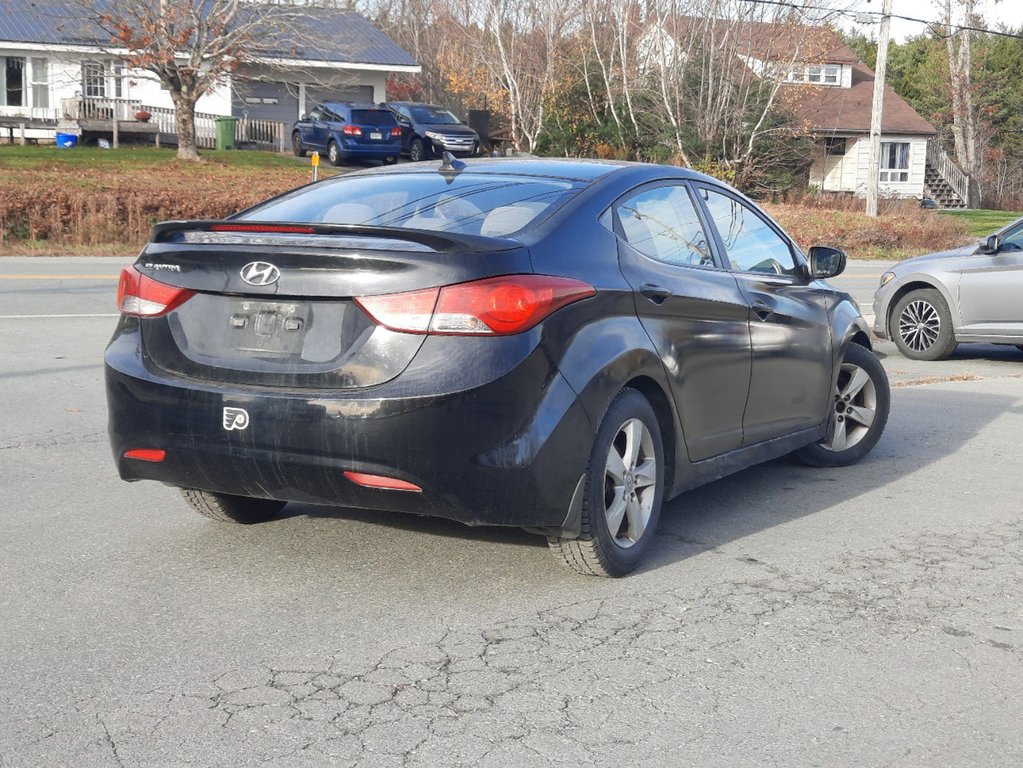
x=604 y=358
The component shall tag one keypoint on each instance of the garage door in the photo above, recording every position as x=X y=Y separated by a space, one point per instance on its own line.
x=316 y=95
x=265 y=101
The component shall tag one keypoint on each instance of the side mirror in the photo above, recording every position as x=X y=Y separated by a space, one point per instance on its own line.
x=826 y=261
x=992 y=245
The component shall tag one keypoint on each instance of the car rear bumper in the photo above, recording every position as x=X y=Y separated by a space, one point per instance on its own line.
x=507 y=451
x=370 y=151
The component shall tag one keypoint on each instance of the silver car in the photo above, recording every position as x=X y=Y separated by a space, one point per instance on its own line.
x=928 y=305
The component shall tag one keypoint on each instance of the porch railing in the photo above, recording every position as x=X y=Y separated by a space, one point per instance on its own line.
x=949 y=171
x=80 y=108
x=205 y=127
x=31 y=113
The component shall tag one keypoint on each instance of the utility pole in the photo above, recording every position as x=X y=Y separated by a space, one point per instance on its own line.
x=874 y=166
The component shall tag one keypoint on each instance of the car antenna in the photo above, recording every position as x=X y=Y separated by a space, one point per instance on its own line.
x=450 y=167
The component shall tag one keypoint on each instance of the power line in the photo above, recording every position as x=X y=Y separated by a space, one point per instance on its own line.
x=934 y=26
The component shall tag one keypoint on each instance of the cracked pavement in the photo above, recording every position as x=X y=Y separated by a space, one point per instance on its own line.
x=788 y=616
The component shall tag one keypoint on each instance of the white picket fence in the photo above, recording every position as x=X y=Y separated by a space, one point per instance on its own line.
x=248 y=134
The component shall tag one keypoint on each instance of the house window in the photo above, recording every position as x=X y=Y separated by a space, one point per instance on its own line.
x=102 y=79
x=40 y=83
x=834 y=146
x=894 y=161
x=94 y=80
x=12 y=81
x=816 y=74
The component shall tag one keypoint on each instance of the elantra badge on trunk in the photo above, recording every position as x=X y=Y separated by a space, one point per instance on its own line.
x=235 y=418
x=260 y=273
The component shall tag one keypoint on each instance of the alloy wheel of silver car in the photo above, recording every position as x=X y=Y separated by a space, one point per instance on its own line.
x=630 y=483
x=919 y=325
x=855 y=407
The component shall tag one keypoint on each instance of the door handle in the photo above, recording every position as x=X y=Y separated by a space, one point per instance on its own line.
x=762 y=310
x=655 y=293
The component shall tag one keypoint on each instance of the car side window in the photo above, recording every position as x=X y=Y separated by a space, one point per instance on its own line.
x=1012 y=240
x=316 y=114
x=662 y=223
x=751 y=245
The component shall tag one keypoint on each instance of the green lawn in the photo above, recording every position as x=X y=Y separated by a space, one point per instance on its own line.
x=983 y=222
x=126 y=158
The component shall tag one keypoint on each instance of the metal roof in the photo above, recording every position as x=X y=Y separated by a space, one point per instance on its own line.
x=342 y=37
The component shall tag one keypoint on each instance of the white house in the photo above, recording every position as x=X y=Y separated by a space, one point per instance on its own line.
x=45 y=58
x=829 y=91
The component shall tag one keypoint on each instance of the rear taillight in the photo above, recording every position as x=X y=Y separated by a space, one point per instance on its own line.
x=495 y=306
x=141 y=296
x=396 y=130
x=352 y=130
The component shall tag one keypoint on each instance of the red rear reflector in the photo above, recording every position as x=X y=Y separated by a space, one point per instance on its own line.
x=381 y=482
x=495 y=306
x=142 y=296
x=352 y=130
x=297 y=230
x=145 y=454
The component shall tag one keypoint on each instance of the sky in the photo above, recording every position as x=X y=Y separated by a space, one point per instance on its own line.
x=1008 y=12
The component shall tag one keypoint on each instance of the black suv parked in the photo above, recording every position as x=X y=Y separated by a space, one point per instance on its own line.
x=428 y=130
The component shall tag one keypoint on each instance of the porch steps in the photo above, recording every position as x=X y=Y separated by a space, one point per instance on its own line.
x=939 y=190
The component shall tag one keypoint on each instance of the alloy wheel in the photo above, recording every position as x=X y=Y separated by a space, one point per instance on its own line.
x=919 y=325
x=855 y=407
x=630 y=483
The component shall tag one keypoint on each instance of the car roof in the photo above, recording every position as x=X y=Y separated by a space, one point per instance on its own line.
x=417 y=104
x=569 y=169
x=334 y=105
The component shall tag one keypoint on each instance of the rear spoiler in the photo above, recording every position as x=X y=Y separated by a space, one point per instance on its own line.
x=441 y=242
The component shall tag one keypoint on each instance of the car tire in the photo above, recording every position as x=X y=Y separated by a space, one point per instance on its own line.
x=231 y=509
x=622 y=492
x=417 y=151
x=333 y=153
x=859 y=411
x=296 y=145
x=921 y=326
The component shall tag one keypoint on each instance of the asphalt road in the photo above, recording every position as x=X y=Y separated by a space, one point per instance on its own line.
x=788 y=616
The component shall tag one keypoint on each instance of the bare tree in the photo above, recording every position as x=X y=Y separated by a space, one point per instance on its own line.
x=192 y=46
x=964 y=117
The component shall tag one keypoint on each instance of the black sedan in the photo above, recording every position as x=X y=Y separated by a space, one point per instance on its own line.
x=551 y=344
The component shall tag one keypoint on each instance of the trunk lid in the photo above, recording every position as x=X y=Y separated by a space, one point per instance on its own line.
x=276 y=307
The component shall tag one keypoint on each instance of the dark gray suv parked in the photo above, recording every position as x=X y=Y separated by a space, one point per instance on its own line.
x=428 y=130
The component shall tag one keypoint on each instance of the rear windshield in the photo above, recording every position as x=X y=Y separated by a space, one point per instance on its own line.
x=489 y=205
x=373 y=117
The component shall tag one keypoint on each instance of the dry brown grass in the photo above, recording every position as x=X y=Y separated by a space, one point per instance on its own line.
x=49 y=205
x=107 y=203
x=903 y=229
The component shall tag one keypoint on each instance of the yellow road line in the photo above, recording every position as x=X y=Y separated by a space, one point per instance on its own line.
x=59 y=277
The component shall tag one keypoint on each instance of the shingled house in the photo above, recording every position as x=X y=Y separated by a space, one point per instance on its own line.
x=829 y=92
x=49 y=58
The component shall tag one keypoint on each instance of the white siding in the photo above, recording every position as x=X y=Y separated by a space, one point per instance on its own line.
x=835 y=173
x=914 y=187
x=849 y=172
